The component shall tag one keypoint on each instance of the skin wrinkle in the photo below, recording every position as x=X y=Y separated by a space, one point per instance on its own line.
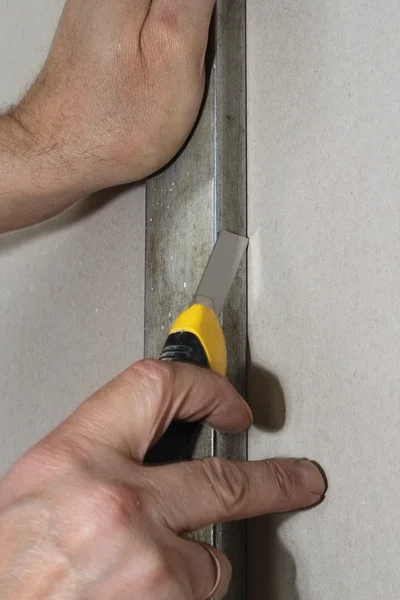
x=142 y=54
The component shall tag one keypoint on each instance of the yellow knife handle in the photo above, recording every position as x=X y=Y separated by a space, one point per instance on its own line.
x=197 y=334
x=197 y=338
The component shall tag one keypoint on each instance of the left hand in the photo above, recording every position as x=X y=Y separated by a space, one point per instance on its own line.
x=117 y=98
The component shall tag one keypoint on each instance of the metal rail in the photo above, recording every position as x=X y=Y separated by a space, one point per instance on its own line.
x=202 y=192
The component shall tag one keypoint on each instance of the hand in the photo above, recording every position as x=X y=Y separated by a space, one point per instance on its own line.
x=81 y=517
x=116 y=100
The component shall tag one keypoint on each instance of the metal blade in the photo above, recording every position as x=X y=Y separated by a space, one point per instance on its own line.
x=221 y=270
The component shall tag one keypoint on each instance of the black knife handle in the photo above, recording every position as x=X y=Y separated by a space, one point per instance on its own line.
x=180 y=440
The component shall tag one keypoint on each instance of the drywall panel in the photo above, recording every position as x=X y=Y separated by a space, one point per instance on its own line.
x=324 y=296
x=71 y=292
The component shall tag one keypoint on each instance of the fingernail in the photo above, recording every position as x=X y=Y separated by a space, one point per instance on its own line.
x=312 y=477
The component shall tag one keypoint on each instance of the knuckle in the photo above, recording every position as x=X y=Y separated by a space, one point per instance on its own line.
x=148 y=377
x=230 y=483
x=95 y=510
x=54 y=456
x=169 y=31
x=113 y=503
x=162 y=576
x=168 y=21
x=155 y=370
x=285 y=478
x=158 y=569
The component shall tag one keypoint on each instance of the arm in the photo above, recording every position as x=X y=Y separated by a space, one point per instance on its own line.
x=37 y=180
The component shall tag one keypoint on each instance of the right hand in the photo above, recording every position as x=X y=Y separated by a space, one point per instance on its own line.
x=81 y=517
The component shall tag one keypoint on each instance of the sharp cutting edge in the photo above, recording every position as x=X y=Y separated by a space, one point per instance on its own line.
x=221 y=270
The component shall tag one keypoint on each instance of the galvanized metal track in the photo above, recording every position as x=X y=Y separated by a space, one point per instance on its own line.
x=202 y=192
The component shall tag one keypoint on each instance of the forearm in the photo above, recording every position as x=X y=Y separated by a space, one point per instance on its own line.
x=39 y=179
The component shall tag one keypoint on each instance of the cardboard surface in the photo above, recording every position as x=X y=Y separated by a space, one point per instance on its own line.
x=324 y=167
x=71 y=293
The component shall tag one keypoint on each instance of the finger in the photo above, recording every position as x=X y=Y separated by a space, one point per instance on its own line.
x=190 y=17
x=196 y=494
x=208 y=569
x=132 y=412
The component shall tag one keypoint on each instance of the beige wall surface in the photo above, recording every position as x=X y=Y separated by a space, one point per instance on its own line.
x=324 y=164
x=71 y=292
x=324 y=189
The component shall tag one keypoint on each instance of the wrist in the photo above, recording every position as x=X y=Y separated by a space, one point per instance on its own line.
x=39 y=176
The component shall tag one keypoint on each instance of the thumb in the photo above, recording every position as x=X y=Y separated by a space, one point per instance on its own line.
x=132 y=412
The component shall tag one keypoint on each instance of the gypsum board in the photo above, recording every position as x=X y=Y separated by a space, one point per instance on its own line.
x=202 y=192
